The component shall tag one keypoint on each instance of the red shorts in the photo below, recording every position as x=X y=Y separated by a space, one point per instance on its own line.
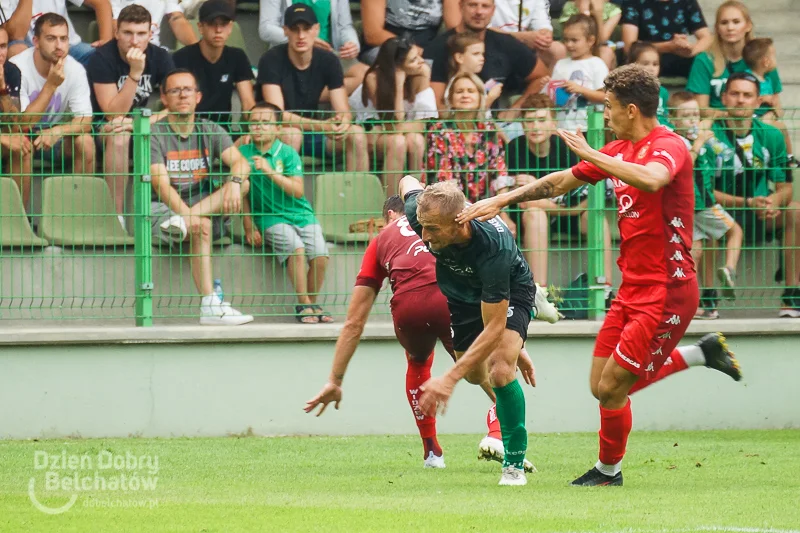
x=645 y=323
x=420 y=318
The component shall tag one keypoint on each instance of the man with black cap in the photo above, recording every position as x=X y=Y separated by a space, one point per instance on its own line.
x=217 y=67
x=293 y=77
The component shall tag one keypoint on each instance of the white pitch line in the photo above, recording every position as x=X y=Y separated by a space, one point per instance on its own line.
x=699 y=529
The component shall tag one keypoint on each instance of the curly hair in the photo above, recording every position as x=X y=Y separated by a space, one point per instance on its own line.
x=631 y=84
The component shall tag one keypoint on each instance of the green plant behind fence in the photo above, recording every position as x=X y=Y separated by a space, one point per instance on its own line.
x=78 y=243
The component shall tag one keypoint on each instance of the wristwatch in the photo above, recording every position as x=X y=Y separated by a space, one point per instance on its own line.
x=237 y=179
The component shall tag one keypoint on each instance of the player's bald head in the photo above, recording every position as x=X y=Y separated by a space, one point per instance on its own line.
x=445 y=199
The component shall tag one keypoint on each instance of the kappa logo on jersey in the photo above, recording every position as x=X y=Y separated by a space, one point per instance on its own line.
x=650 y=368
x=675 y=239
x=676 y=222
x=510 y=312
x=666 y=155
x=679 y=273
x=674 y=320
x=657 y=352
x=667 y=335
x=668 y=361
x=677 y=256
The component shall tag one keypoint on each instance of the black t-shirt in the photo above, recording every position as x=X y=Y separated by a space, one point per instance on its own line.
x=507 y=60
x=217 y=81
x=486 y=269
x=301 y=88
x=107 y=66
x=659 y=21
x=13 y=79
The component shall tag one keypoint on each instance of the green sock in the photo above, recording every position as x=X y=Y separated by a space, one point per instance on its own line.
x=511 y=414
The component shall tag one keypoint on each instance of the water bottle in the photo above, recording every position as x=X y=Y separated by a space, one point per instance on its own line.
x=218 y=290
x=720 y=149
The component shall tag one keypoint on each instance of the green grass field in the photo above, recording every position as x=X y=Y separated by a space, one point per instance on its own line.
x=737 y=481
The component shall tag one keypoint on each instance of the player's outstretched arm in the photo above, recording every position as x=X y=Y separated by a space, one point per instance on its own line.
x=437 y=391
x=550 y=186
x=360 y=306
x=408 y=184
x=649 y=178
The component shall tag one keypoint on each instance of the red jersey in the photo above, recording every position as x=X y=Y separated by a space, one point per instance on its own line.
x=397 y=252
x=656 y=228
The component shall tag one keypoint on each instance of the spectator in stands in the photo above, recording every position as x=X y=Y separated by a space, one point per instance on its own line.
x=752 y=181
x=218 y=68
x=761 y=59
x=711 y=221
x=539 y=152
x=53 y=86
x=293 y=76
x=529 y=22
x=646 y=56
x=336 y=31
x=14 y=145
x=606 y=14
x=122 y=75
x=182 y=150
x=507 y=60
x=668 y=25
x=577 y=80
x=467 y=54
x=180 y=26
x=281 y=213
x=394 y=97
x=732 y=30
x=384 y=19
x=24 y=13
x=466 y=148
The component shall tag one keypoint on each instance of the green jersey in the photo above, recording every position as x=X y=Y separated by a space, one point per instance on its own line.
x=270 y=204
x=704 y=171
x=661 y=113
x=322 y=10
x=702 y=79
x=751 y=165
x=486 y=269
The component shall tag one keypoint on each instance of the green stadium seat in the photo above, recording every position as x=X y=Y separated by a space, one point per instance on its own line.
x=92 y=32
x=79 y=211
x=15 y=231
x=341 y=199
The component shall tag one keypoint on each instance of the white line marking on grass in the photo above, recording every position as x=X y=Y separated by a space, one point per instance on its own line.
x=699 y=529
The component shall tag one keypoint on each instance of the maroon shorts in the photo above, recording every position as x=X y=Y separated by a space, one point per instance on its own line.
x=420 y=318
x=645 y=323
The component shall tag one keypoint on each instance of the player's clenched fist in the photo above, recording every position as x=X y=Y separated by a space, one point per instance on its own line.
x=135 y=59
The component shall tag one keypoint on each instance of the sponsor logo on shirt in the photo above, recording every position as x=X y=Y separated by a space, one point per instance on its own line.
x=224 y=78
x=627 y=359
x=625 y=203
x=186 y=166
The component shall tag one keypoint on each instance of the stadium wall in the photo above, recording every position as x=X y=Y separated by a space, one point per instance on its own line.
x=175 y=381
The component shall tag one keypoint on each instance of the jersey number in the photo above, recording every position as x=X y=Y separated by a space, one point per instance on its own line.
x=405 y=228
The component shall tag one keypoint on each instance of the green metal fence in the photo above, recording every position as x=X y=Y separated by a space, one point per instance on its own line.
x=80 y=244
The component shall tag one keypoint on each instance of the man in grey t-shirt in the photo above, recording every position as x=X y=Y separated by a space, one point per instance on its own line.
x=184 y=200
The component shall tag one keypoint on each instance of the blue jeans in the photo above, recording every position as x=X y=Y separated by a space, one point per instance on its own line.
x=82 y=52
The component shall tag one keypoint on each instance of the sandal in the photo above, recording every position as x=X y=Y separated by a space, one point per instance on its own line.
x=305 y=317
x=323 y=316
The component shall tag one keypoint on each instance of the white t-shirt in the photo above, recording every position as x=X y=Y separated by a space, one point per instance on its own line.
x=40 y=7
x=71 y=96
x=423 y=106
x=535 y=15
x=158 y=10
x=590 y=73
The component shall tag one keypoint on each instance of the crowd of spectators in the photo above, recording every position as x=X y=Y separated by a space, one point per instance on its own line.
x=466 y=90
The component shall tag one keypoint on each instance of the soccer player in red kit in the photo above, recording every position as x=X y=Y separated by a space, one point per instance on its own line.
x=653 y=177
x=420 y=315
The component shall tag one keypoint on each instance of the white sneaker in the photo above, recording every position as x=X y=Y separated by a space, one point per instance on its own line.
x=213 y=312
x=434 y=461
x=174 y=229
x=491 y=449
x=121 y=219
x=545 y=310
x=513 y=476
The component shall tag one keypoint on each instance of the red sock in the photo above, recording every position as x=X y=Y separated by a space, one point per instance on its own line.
x=615 y=426
x=673 y=364
x=417 y=374
x=493 y=423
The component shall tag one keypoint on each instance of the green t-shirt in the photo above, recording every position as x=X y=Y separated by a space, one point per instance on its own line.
x=704 y=171
x=609 y=10
x=486 y=269
x=751 y=165
x=322 y=9
x=662 y=113
x=702 y=80
x=269 y=203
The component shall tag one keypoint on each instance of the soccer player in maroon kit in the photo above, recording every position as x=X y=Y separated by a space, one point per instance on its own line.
x=420 y=315
x=653 y=177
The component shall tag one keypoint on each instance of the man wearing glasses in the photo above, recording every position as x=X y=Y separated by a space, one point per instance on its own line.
x=184 y=205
